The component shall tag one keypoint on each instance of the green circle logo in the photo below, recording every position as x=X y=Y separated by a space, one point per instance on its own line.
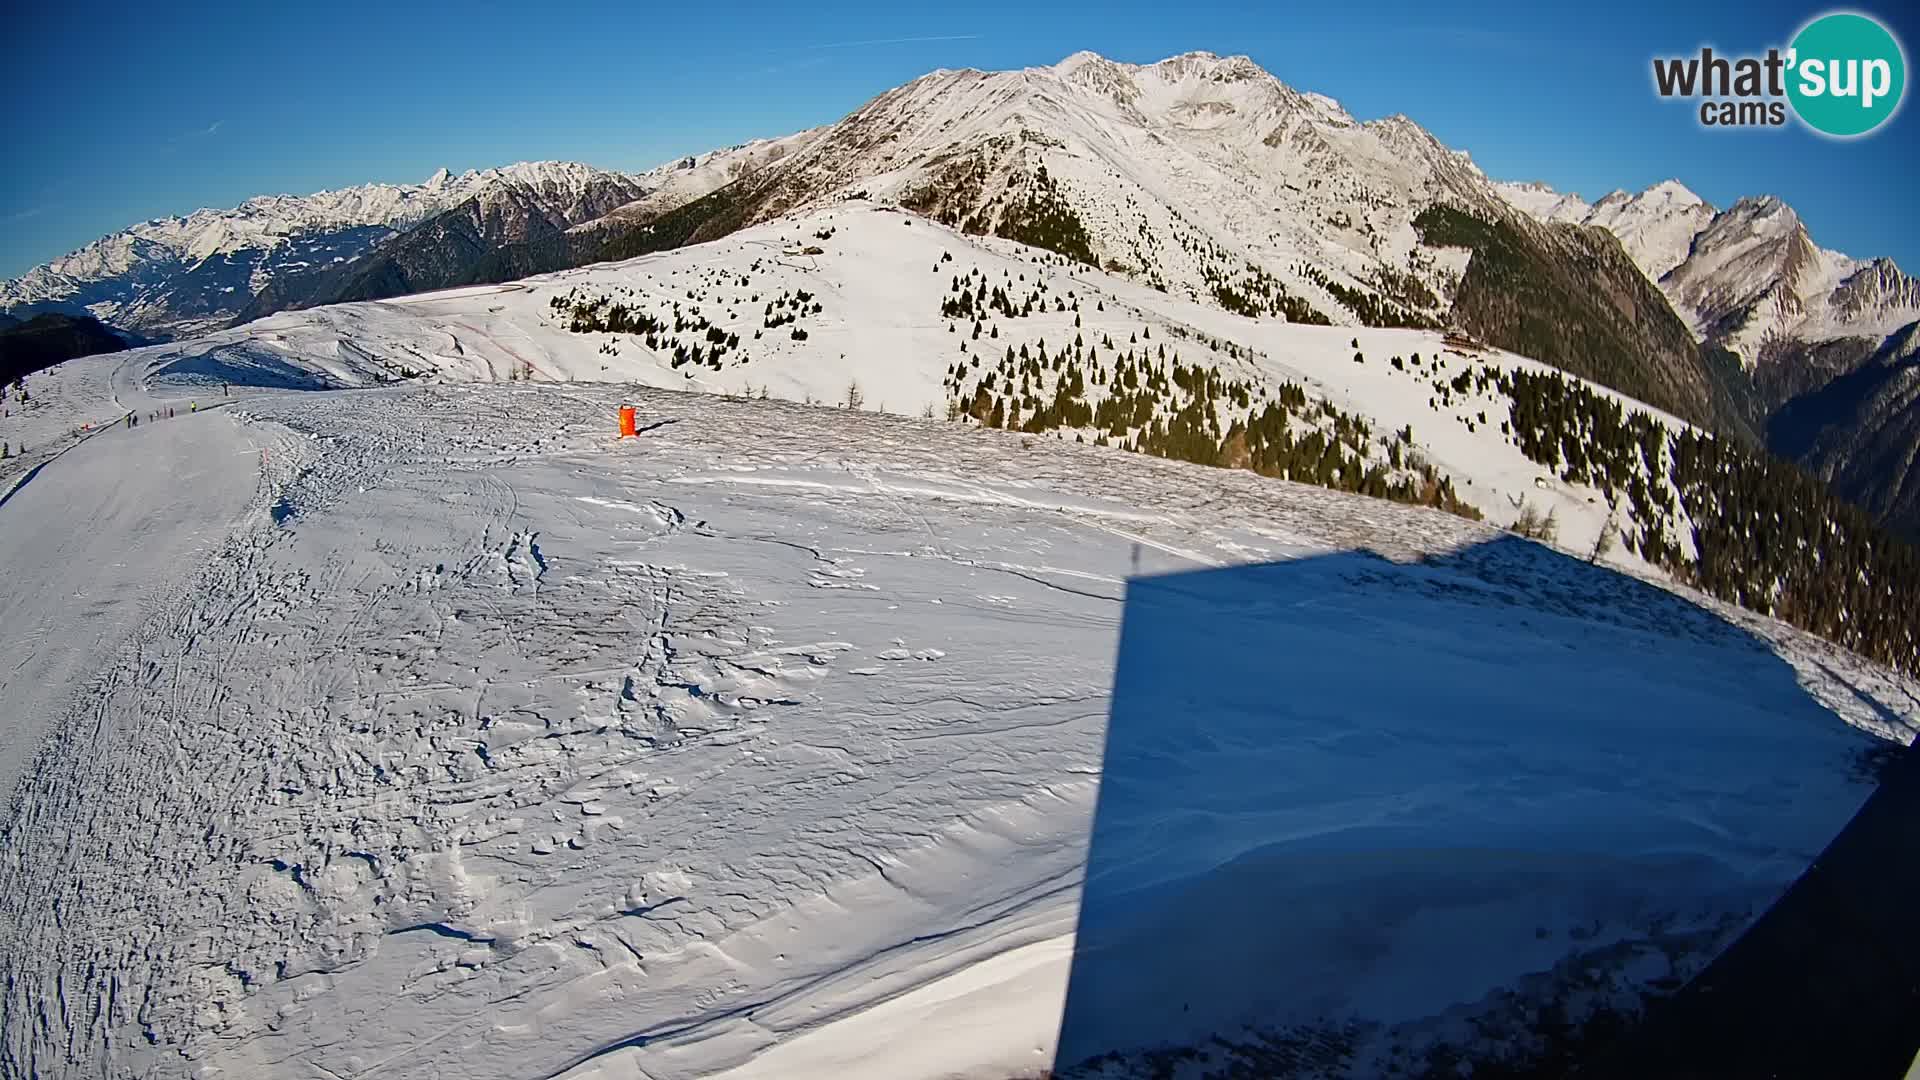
x=1848 y=74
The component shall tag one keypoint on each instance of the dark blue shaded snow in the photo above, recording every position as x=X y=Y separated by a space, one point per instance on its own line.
x=1346 y=795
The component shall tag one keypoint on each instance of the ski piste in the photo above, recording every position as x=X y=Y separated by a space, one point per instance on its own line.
x=740 y=744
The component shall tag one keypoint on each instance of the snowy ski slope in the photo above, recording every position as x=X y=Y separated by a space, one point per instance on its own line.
x=485 y=744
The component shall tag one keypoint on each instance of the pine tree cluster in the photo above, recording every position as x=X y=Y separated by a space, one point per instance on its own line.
x=1045 y=219
x=1257 y=294
x=1369 y=308
x=1766 y=536
x=1141 y=396
x=679 y=330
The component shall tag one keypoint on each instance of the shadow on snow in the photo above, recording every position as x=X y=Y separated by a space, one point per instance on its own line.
x=1487 y=811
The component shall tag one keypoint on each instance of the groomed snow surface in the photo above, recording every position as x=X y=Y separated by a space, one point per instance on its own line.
x=431 y=731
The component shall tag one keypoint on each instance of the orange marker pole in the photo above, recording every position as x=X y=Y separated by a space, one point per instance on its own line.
x=626 y=421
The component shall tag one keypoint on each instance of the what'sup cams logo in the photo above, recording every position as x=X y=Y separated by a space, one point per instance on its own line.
x=1843 y=76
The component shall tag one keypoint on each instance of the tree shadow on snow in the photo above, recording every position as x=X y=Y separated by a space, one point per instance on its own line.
x=1487 y=812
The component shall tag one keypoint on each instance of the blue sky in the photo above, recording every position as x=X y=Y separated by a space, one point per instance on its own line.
x=123 y=112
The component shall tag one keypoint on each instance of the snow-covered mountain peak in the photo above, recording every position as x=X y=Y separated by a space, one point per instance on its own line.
x=1097 y=73
x=1085 y=58
x=1253 y=182
x=1329 y=111
x=1744 y=276
x=1765 y=213
x=1674 y=193
x=1666 y=193
x=1655 y=226
x=1196 y=61
x=1188 y=75
x=1753 y=275
x=535 y=171
x=1201 y=172
x=1402 y=135
x=1197 y=144
x=1542 y=202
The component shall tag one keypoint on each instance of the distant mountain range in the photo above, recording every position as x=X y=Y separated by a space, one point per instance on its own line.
x=176 y=277
x=1203 y=176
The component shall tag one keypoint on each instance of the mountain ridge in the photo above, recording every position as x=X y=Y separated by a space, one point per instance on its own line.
x=181 y=275
x=1745 y=276
x=331 y=227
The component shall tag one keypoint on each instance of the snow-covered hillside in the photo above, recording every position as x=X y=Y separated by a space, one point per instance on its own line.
x=480 y=742
x=1018 y=631
x=856 y=295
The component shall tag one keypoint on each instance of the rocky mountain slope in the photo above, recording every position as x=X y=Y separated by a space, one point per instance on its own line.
x=678 y=183
x=447 y=248
x=1748 y=278
x=1817 y=334
x=1861 y=432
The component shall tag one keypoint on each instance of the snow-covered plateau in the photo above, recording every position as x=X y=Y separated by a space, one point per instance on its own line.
x=379 y=713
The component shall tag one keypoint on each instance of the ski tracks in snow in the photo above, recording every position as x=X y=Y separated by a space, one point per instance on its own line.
x=674 y=747
x=564 y=711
